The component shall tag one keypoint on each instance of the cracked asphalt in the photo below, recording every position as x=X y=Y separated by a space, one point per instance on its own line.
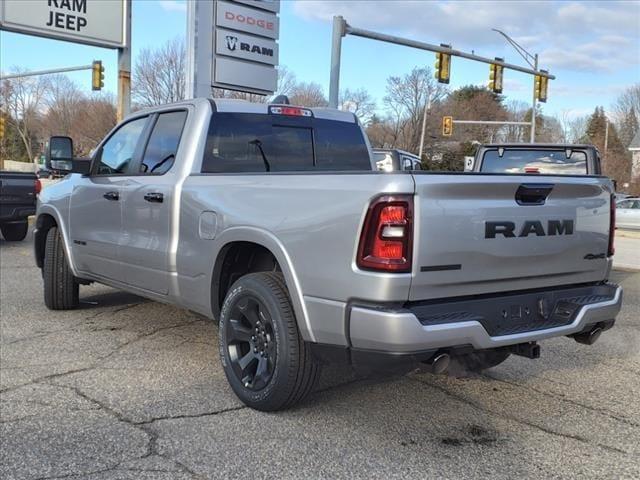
x=125 y=388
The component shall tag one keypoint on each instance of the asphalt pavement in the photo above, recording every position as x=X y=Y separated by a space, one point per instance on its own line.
x=125 y=388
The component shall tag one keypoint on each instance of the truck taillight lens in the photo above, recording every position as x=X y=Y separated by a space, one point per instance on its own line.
x=612 y=226
x=387 y=235
x=38 y=186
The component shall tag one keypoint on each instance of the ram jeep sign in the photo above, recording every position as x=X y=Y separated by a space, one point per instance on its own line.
x=92 y=22
x=246 y=47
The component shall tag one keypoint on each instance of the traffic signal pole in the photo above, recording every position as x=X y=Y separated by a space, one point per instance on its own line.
x=46 y=72
x=534 y=103
x=341 y=28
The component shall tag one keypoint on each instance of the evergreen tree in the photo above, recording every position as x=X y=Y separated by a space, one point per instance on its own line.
x=616 y=161
x=628 y=127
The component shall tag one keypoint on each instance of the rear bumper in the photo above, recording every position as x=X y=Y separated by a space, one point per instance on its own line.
x=13 y=213
x=421 y=328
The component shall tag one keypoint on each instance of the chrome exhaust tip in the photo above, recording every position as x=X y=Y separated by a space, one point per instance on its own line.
x=590 y=337
x=440 y=363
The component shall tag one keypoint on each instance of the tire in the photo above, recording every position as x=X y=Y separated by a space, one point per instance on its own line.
x=267 y=364
x=15 y=231
x=477 y=361
x=60 y=286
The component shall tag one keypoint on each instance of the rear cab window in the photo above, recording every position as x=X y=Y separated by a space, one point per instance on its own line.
x=255 y=142
x=550 y=162
x=162 y=146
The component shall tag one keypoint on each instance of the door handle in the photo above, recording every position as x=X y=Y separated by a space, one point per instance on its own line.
x=154 y=197
x=114 y=196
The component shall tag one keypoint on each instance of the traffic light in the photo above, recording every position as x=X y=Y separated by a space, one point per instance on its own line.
x=97 y=75
x=447 y=126
x=541 y=85
x=1 y=126
x=495 y=77
x=443 y=66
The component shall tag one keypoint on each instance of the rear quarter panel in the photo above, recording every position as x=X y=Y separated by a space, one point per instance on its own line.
x=314 y=219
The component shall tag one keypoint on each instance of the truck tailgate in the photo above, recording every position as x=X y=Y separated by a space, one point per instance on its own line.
x=478 y=233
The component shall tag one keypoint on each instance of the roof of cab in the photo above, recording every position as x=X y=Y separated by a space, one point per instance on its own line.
x=242 y=106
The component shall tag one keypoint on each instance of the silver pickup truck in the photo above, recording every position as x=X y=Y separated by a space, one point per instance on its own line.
x=272 y=220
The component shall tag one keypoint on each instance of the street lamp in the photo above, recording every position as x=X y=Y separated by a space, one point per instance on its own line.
x=532 y=60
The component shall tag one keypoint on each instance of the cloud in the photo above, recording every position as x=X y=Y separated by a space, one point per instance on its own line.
x=591 y=36
x=173 y=5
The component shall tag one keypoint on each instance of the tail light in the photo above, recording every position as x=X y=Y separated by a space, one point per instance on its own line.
x=38 y=186
x=387 y=235
x=612 y=226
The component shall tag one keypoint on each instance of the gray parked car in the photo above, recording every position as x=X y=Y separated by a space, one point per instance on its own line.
x=272 y=220
x=628 y=213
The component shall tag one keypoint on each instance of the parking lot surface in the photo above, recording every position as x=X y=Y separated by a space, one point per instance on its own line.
x=131 y=389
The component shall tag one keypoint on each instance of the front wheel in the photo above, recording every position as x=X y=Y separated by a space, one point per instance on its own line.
x=60 y=286
x=15 y=231
x=267 y=364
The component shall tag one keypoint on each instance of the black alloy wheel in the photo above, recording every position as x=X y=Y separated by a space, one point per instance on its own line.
x=251 y=343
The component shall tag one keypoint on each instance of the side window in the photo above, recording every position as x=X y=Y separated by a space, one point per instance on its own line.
x=117 y=153
x=162 y=147
x=417 y=165
x=625 y=204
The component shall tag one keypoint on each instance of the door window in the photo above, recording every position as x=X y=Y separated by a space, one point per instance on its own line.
x=162 y=147
x=117 y=153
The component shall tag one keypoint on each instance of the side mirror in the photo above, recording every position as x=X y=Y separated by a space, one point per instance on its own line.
x=81 y=166
x=59 y=155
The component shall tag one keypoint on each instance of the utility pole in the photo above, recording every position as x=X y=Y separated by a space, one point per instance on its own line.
x=427 y=108
x=606 y=142
x=532 y=60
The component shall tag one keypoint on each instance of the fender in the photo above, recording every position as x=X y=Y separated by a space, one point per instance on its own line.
x=275 y=246
x=49 y=209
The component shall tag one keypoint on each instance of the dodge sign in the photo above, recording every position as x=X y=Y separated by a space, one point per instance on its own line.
x=93 y=22
x=245 y=45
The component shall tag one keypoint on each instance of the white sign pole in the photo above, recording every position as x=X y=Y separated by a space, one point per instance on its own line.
x=200 y=29
x=124 y=67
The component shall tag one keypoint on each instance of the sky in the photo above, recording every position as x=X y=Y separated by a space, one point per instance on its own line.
x=593 y=48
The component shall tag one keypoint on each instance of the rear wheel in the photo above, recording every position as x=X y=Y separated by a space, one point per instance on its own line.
x=477 y=361
x=267 y=364
x=60 y=286
x=15 y=231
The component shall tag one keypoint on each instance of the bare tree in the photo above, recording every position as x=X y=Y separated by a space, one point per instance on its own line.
x=159 y=75
x=62 y=100
x=516 y=112
x=577 y=129
x=627 y=101
x=358 y=102
x=286 y=81
x=308 y=95
x=626 y=113
x=406 y=100
x=22 y=98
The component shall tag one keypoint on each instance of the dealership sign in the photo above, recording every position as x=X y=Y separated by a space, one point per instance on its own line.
x=245 y=48
x=92 y=22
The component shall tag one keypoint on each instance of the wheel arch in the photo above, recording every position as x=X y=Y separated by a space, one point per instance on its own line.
x=47 y=218
x=260 y=245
